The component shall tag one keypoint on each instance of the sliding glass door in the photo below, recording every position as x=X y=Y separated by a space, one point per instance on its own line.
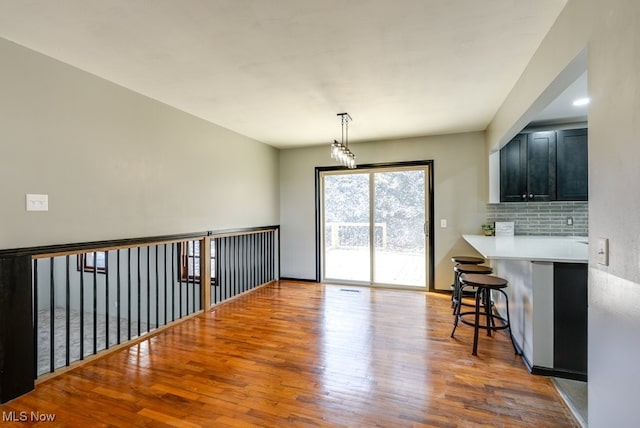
x=374 y=226
x=347 y=235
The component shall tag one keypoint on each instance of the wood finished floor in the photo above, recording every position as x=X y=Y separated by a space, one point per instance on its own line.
x=303 y=354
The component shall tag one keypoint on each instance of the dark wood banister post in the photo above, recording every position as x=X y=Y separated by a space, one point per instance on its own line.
x=17 y=353
x=205 y=273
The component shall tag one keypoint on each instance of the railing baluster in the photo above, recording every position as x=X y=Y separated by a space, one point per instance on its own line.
x=95 y=302
x=223 y=268
x=216 y=289
x=230 y=267
x=68 y=312
x=264 y=258
x=106 y=299
x=52 y=315
x=157 y=290
x=265 y=255
x=128 y=293
x=164 y=258
x=193 y=278
x=118 y=309
x=139 y=314
x=267 y=275
x=254 y=259
x=260 y=254
x=197 y=292
x=244 y=263
x=258 y=259
x=148 y=288
x=234 y=265
x=248 y=268
x=190 y=260
x=251 y=259
x=35 y=316
x=184 y=249
x=81 y=262
x=268 y=257
x=241 y=264
x=236 y=256
x=173 y=280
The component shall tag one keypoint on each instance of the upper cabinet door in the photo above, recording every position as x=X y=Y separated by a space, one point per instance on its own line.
x=541 y=166
x=572 y=176
x=513 y=170
x=545 y=166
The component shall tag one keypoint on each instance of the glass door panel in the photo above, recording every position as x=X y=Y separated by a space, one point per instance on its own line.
x=399 y=220
x=346 y=227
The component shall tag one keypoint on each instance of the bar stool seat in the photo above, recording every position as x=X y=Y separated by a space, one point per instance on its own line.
x=484 y=284
x=462 y=260
x=467 y=260
x=457 y=295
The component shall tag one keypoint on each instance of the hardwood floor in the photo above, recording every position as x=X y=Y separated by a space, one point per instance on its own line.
x=304 y=354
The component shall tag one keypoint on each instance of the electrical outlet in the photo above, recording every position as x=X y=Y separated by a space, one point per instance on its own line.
x=443 y=223
x=569 y=221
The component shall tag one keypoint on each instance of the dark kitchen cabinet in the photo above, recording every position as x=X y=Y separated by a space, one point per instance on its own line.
x=545 y=166
x=570 y=320
x=572 y=169
x=528 y=168
x=513 y=166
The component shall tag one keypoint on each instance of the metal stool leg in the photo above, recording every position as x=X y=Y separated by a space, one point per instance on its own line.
x=477 y=323
x=486 y=296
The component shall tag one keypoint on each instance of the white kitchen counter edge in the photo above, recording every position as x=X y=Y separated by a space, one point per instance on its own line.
x=562 y=249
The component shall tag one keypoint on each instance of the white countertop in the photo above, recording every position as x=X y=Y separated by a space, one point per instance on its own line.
x=568 y=249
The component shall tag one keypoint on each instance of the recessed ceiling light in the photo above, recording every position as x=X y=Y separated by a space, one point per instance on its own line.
x=581 y=102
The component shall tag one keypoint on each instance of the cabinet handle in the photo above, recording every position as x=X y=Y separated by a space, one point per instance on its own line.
x=524 y=196
x=530 y=195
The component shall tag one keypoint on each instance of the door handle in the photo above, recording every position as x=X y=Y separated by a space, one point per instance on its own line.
x=426 y=228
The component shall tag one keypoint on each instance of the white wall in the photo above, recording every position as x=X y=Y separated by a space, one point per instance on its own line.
x=460 y=169
x=116 y=164
x=610 y=32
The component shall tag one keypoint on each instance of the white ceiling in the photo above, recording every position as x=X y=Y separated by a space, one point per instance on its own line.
x=562 y=108
x=279 y=71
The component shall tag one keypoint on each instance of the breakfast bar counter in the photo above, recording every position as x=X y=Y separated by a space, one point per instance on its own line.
x=547 y=297
x=565 y=249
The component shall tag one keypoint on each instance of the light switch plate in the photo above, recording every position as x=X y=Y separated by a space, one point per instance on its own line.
x=37 y=202
x=602 y=251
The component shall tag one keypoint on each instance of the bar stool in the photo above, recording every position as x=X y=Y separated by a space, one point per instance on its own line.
x=462 y=260
x=484 y=284
x=457 y=295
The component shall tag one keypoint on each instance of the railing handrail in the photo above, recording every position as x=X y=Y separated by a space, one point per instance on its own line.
x=115 y=244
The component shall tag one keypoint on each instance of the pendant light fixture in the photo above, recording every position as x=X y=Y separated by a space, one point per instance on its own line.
x=340 y=151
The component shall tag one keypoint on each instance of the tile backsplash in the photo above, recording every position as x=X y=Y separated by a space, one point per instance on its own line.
x=542 y=218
